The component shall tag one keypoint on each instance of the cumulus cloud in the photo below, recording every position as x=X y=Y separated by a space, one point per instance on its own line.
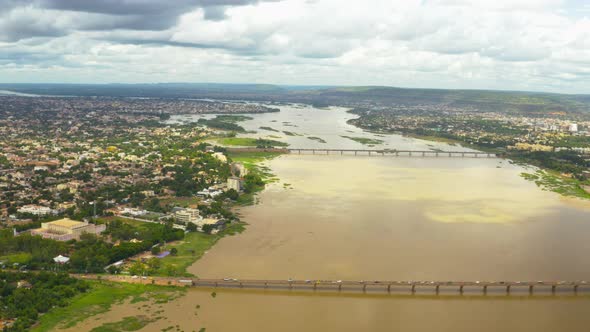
x=516 y=44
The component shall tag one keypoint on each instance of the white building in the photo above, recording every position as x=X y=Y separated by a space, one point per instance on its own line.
x=36 y=210
x=573 y=127
x=220 y=156
x=134 y=212
x=234 y=183
x=188 y=215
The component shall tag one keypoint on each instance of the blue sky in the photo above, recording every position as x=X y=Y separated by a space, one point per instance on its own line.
x=537 y=45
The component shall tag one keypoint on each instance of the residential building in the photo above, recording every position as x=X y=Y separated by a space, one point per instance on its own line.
x=234 y=183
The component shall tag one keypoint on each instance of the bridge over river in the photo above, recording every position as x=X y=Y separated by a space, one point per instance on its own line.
x=369 y=152
x=482 y=287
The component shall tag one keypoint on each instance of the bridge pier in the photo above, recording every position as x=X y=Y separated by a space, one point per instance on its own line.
x=450 y=154
x=413 y=288
x=364 y=287
x=341 y=152
x=339 y=287
x=355 y=152
x=389 y=288
x=410 y=153
x=463 y=154
x=485 y=289
x=315 y=285
x=553 y=288
x=436 y=154
x=423 y=154
x=437 y=289
x=461 y=289
x=576 y=289
x=369 y=153
x=508 y=289
x=531 y=289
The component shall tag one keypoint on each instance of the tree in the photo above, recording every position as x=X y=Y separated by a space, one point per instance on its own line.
x=173 y=251
x=156 y=250
x=191 y=227
x=208 y=228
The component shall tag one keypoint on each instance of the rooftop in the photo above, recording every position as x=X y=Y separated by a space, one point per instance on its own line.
x=66 y=222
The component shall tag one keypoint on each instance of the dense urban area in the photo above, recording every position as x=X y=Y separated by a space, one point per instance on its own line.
x=102 y=186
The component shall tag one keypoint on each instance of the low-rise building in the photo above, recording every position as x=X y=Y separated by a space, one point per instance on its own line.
x=234 y=183
x=188 y=215
x=36 y=210
x=67 y=229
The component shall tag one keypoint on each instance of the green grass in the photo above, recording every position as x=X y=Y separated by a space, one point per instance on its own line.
x=20 y=258
x=246 y=141
x=363 y=140
x=99 y=299
x=554 y=181
x=250 y=159
x=126 y=324
x=180 y=201
x=194 y=245
x=139 y=224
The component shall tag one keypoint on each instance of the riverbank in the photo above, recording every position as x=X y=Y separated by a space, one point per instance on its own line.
x=100 y=298
x=556 y=182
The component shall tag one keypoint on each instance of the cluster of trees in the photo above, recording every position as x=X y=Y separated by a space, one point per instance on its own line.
x=252 y=183
x=91 y=253
x=223 y=124
x=40 y=251
x=26 y=295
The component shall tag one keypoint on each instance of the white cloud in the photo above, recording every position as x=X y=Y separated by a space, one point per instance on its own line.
x=517 y=44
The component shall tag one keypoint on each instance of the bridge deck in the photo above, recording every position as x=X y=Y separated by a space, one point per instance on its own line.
x=348 y=285
x=370 y=152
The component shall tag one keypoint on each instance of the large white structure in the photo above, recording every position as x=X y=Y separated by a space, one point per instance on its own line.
x=188 y=215
x=67 y=229
x=573 y=127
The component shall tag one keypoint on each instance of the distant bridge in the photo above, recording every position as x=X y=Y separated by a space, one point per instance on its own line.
x=363 y=286
x=368 y=152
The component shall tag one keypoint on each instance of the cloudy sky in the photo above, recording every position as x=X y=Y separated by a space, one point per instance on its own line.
x=539 y=45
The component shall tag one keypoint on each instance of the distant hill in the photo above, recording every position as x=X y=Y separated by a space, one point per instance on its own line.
x=361 y=96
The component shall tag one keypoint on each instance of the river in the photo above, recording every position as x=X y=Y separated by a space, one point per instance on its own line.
x=389 y=218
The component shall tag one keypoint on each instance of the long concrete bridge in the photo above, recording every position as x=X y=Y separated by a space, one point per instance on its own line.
x=368 y=152
x=435 y=287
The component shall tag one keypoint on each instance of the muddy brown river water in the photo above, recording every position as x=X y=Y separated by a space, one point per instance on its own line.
x=392 y=218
